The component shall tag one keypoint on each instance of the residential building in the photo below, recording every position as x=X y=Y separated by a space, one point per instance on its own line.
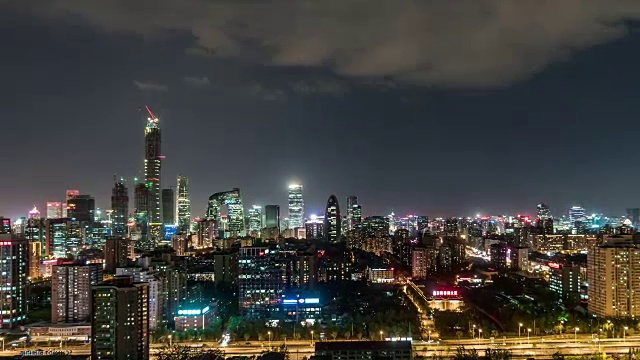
x=71 y=292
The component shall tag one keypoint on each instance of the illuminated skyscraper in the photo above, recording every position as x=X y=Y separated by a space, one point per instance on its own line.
x=120 y=207
x=255 y=218
x=152 y=165
x=352 y=202
x=14 y=271
x=70 y=194
x=232 y=201
x=332 y=220
x=296 y=207
x=575 y=213
x=81 y=208
x=54 y=210
x=183 y=205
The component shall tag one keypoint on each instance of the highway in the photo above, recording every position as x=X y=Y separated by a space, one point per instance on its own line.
x=536 y=347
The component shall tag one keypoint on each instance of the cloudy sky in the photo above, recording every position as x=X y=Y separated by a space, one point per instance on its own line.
x=434 y=107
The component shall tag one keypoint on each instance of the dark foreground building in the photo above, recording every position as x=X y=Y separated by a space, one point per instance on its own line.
x=363 y=350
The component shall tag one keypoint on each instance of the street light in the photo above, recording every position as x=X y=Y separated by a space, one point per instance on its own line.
x=473 y=333
x=1 y=338
x=519 y=326
x=269 y=333
x=170 y=336
x=575 y=334
x=312 y=337
x=528 y=333
x=429 y=336
x=479 y=333
x=381 y=332
x=624 y=333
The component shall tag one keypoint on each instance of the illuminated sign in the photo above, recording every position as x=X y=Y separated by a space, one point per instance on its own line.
x=301 y=301
x=194 y=311
x=445 y=293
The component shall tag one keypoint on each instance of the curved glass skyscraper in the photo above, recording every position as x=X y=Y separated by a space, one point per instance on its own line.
x=332 y=220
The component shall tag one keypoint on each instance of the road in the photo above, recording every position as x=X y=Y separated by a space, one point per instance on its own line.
x=536 y=347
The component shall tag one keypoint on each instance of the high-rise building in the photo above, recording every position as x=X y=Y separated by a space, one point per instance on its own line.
x=157 y=292
x=232 y=201
x=70 y=194
x=261 y=280
x=183 y=205
x=376 y=226
x=120 y=209
x=255 y=218
x=142 y=202
x=576 y=213
x=63 y=237
x=565 y=281
x=272 y=216
x=71 y=292
x=352 y=202
x=613 y=270
x=332 y=220
x=152 y=165
x=168 y=207
x=54 y=210
x=498 y=256
x=314 y=228
x=120 y=321
x=117 y=251
x=634 y=215
x=81 y=208
x=14 y=269
x=296 y=207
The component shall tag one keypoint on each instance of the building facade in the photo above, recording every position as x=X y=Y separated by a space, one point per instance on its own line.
x=120 y=209
x=183 y=205
x=296 y=207
x=14 y=269
x=120 y=321
x=71 y=292
x=332 y=220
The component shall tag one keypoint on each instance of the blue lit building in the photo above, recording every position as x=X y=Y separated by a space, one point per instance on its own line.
x=194 y=317
x=301 y=308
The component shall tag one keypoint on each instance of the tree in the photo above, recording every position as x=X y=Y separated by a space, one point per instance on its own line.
x=347 y=334
x=334 y=334
x=458 y=334
x=182 y=352
x=246 y=336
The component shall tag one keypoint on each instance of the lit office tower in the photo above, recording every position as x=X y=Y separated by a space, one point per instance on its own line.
x=70 y=194
x=183 y=205
x=296 y=207
x=71 y=292
x=64 y=237
x=14 y=269
x=575 y=213
x=544 y=220
x=81 y=208
x=152 y=165
x=120 y=321
x=613 y=270
x=168 y=209
x=120 y=208
x=352 y=202
x=261 y=280
x=232 y=201
x=255 y=218
x=272 y=216
x=332 y=220
x=54 y=210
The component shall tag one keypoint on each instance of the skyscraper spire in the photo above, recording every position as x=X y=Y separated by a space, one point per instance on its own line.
x=153 y=164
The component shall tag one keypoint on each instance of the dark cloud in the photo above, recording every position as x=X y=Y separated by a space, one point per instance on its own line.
x=464 y=43
x=150 y=86
x=197 y=81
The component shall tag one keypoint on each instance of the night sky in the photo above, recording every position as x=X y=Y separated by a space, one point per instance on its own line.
x=431 y=107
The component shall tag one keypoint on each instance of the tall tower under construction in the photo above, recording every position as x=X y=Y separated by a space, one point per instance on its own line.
x=152 y=165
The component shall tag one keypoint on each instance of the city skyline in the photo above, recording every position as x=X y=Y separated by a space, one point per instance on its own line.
x=486 y=141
